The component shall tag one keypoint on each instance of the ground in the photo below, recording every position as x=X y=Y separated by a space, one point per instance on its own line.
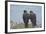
x=20 y=26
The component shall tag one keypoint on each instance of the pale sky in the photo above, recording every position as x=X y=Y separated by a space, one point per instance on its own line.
x=16 y=12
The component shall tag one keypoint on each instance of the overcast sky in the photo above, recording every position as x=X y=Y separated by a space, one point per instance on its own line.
x=16 y=12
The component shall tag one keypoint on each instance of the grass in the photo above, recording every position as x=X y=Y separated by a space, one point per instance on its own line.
x=21 y=26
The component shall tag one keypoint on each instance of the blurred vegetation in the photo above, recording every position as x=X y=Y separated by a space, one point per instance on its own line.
x=15 y=25
x=20 y=26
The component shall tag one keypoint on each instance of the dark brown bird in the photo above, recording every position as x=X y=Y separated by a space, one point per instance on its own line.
x=33 y=18
x=25 y=18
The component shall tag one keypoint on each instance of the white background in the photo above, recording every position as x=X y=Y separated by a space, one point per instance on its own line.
x=2 y=17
